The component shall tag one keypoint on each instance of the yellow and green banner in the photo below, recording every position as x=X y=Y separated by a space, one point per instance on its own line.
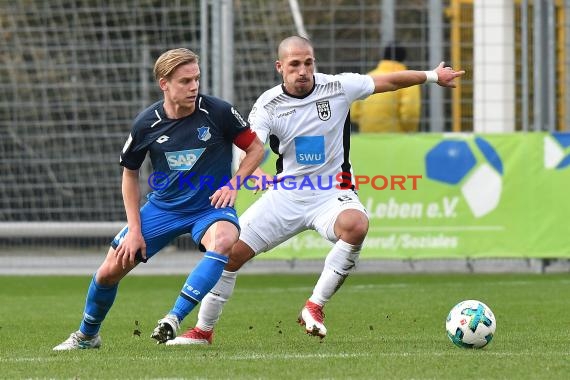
x=455 y=196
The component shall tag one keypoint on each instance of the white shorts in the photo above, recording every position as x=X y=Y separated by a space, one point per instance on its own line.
x=280 y=214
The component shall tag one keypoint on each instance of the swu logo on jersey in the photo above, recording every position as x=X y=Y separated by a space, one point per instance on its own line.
x=183 y=159
x=324 y=110
x=310 y=150
x=204 y=133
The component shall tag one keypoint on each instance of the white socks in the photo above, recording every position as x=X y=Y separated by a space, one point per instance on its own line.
x=213 y=303
x=340 y=261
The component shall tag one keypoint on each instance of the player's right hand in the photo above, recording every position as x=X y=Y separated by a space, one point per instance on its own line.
x=127 y=250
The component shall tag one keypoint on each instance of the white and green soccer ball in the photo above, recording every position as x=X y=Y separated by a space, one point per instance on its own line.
x=470 y=324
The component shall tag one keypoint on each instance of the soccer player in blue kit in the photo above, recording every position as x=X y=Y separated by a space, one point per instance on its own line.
x=306 y=121
x=189 y=138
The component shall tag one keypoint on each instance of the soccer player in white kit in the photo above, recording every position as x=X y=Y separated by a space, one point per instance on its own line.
x=306 y=120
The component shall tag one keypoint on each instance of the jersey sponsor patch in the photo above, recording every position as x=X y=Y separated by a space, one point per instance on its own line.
x=310 y=150
x=183 y=159
x=324 y=110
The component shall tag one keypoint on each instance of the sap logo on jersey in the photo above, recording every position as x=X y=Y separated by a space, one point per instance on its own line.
x=310 y=150
x=183 y=159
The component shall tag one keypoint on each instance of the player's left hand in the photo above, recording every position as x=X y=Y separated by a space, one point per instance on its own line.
x=223 y=197
x=446 y=75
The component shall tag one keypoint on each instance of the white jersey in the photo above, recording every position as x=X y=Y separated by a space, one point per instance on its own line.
x=311 y=134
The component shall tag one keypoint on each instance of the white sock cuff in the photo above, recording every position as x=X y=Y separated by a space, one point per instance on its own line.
x=229 y=274
x=351 y=248
x=343 y=257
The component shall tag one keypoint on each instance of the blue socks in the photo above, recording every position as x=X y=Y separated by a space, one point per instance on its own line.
x=99 y=301
x=199 y=282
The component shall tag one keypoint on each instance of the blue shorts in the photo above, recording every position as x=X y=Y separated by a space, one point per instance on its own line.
x=160 y=227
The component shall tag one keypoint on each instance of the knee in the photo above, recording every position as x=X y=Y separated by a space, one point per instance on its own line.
x=110 y=272
x=353 y=229
x=241 y=253
x=220 y=237
x=224 y=243
x=106 y=276
x=360 y=229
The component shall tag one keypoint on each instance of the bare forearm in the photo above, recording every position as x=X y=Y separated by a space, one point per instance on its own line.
x=131 y=199
x=249 y=162
x=397 y=80
x=444 y=76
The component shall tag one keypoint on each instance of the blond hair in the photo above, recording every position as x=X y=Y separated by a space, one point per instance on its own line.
x=171 y=59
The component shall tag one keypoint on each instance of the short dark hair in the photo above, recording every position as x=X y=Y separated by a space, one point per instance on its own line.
x=394 y=52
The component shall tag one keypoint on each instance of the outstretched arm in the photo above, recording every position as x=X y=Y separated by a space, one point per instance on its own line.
x=443 y=76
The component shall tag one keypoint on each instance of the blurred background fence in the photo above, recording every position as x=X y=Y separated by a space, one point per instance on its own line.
x=76 y=72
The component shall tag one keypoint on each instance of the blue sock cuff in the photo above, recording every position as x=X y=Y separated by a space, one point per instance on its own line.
x=216 y=256
x=98 y=286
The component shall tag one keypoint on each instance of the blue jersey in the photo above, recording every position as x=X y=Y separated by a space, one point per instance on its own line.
x=191 y=157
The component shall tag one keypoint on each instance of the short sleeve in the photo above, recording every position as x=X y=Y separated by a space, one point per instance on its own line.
x=232 y=122
x=133 y=154
x=259 y=121
x=357 y=86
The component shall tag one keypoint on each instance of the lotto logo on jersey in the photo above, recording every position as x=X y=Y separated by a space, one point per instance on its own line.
x=183 y=159
x=310 y=150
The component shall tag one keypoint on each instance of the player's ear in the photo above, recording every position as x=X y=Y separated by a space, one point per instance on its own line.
x=162 y=83
x=278 y=67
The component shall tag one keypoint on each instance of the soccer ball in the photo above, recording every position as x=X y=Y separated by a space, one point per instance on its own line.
x=470 y=324
x=453 y=162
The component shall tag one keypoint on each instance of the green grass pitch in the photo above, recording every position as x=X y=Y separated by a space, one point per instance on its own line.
x=379 y=327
